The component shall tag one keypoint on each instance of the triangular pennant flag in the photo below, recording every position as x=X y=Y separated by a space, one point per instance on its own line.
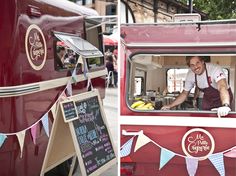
x=53 y=109
x=218 y=162
x=69 y=88
x=89 y=82
x=73 y=74
x=45 y=123
x=33 y=131
x=192 y=164
x=141 y=141
x=126 y=148
x=231 y=153
x=85 y=71
x=21 y=140
x=2 y=139
x=63 y=95
x=166 y=155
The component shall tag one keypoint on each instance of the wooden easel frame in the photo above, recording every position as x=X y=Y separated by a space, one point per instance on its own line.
x=61 y=147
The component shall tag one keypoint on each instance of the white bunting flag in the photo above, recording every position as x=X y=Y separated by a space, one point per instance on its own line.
x=141 y=141
x=54 y=109
x=166 y=155
x=89 y=83
x=21 y=140
x=45 y=123
x=192 y=164
x=33 y=131
x=2 y=139
x=126 y=148
x=218 y=162
x=69 y=88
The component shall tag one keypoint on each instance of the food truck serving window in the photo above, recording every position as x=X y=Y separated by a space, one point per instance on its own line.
x=165 y=79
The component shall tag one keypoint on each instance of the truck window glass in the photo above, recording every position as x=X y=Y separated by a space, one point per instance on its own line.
x=64 y=57
x=155 y=81
x=74 y=44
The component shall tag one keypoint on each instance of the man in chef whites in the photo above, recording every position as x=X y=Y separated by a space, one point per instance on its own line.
x=210 y=79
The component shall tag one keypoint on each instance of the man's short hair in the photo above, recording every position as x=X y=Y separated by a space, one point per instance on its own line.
x=188 y=58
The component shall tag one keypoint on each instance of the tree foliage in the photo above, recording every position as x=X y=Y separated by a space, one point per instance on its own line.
x=216 y=9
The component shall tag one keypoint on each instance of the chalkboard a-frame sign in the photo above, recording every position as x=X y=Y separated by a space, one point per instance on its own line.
x=69 y=110
x=91 y=137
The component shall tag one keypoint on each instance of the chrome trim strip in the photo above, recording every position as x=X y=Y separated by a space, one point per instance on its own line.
x=180 y=45
x=14 y=91
x=178 y=121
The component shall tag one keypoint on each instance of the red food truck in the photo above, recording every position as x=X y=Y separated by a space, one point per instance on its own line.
x=33 y=32
x=184 y=140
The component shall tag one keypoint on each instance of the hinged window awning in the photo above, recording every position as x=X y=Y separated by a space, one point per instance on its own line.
x=95 y=21
x=79 y=45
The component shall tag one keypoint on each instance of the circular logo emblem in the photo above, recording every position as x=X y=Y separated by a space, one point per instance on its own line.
x=198 y=143
x=35 y=47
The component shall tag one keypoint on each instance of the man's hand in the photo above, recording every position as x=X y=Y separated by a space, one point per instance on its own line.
x=223 y=111
x=166 y=107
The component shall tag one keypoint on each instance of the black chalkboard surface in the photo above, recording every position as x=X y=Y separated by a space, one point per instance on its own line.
x=92 y=135
x=69 y=111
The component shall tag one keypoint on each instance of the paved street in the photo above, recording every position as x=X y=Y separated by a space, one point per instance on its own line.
x=111 y=110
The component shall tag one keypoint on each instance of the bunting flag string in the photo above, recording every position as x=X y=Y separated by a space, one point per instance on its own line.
x=166 y=155
x=44 y=119
x=231 y=154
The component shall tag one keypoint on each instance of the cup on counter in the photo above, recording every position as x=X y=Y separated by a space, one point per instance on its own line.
x=152 y=98
x=158 y=105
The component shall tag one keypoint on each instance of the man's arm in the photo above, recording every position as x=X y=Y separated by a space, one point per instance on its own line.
x=225 y=98
x=224 y=93
x=180 y=99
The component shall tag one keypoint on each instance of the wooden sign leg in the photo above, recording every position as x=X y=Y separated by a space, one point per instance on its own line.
x=72 y=165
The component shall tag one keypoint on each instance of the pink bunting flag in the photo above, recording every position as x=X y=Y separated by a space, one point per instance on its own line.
x=141 y=141
x=231 y=153
x=192 y=164
x=218 y=161
x=33 y=131
x=21 y=140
